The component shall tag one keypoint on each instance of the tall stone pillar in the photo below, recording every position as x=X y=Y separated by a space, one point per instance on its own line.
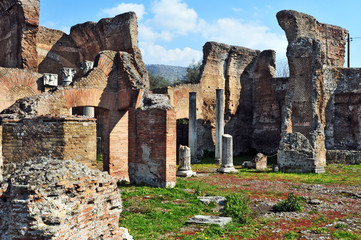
x=227 y=155
x=219 y=124
x=184 y=169
x=88 y=111
x=314 y=51
x=192 y=127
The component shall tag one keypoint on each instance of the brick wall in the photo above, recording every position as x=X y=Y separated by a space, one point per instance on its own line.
x=59 y=199
x=60 y=138
x=155 y=161
x=17 y=83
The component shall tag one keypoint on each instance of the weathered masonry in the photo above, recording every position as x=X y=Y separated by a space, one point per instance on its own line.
x=135 y=129
x=319 y=100
x=60 y=138
x=59 y=199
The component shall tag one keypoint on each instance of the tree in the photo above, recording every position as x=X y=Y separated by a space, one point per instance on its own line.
x=193 y=72
x=157 y=81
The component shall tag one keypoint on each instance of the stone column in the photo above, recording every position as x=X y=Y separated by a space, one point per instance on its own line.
x=67 y=74
x=192 y=127
x=88 y=111
x=219 y=124
x=227 y=155
x=184 y=169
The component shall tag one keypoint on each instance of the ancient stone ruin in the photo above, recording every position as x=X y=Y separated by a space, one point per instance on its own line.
x=68 y=99
x=114 y=91
x=59 y=199
x=318 y=100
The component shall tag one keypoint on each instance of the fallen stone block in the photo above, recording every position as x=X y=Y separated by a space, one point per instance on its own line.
x=202 y=219
x=219 y=200
x=260 y=161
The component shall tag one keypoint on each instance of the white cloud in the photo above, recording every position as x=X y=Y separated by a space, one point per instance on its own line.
x=153 y=53
x=175 y=16
x=247 y=34
x=146 y=33
x=139 y=9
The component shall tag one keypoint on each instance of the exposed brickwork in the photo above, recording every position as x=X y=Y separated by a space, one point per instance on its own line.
x=116 y=89
x=54 y=199
x=119 y=144
x=155 y=162
x=56 y=50
x=19 y=26
x=60 y=138
x=266 y=109
x=17 y=83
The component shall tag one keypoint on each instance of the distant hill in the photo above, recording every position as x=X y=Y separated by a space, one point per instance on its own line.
x=170 y=73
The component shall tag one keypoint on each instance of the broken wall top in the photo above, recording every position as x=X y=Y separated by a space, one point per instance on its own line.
x=118 y=33
x=299 y=25
x=23 y=44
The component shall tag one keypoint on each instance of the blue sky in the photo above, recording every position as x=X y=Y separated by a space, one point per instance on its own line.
x=173 y=32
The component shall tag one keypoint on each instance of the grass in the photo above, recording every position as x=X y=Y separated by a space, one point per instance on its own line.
x=238 y=207
x=291 y=204
x=161 y=213
x=341 y=234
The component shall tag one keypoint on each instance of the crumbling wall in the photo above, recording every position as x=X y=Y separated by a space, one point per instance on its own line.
x=266 y=108
x=17 y=83
x=23 y=44
x=116 y=89
x=59 y=138
x=230 y=68
x=346 y=122
x=56 y=50
x=154 y=159
x=224 y=66
x=314 y=48
x=86 y=40
x=59 y=199
x=347 y=157
x=19 y=26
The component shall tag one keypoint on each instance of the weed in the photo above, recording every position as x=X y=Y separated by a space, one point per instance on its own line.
x=319 y=230
x=198 y=192
x=291 y=204
x=291 y=235
x=341 y=225
x=238 y=207
x=340 y=234
x=99 y=157
x=214 y=231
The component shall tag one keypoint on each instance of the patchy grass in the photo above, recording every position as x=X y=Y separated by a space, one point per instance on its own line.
x=291 y=204
x=158 y=213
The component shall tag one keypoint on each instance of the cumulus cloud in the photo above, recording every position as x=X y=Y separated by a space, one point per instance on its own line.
x=174 y=16
x=153 y=53
x=248 y=34
x=139 y=9
x=169 y=19
x=146 y=33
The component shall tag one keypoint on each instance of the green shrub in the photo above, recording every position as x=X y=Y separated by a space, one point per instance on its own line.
x=238 y=207
x=291 y=204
